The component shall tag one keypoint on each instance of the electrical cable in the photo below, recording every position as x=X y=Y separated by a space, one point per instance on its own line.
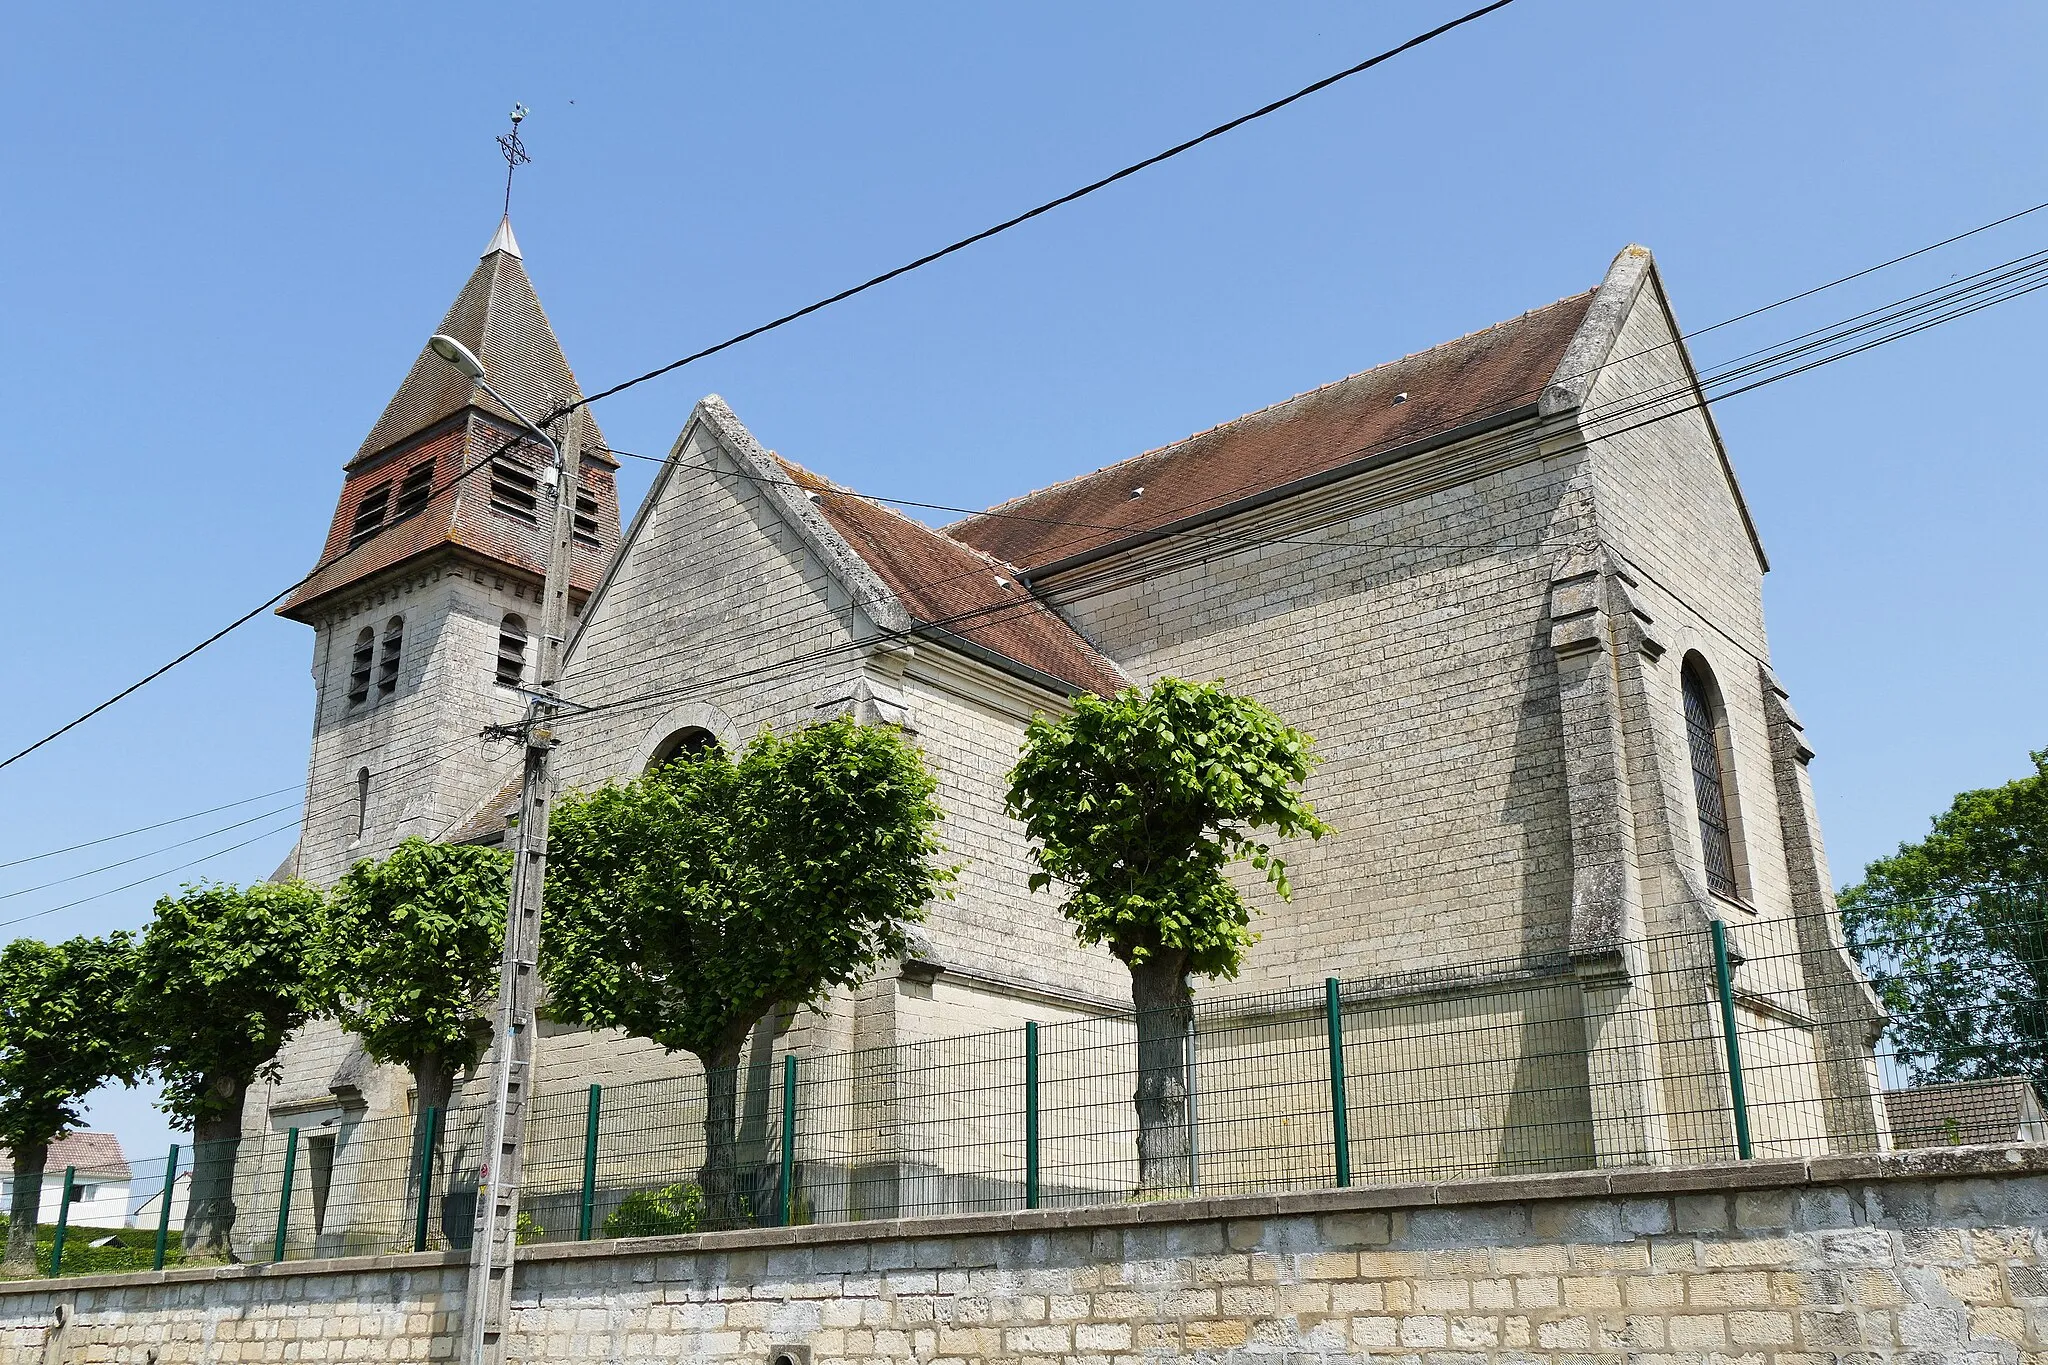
x=1620 y=408
x=144 y=829
x=985 y=615
x=1048 y=206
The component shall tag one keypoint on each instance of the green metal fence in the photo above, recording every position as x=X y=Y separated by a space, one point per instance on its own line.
x=1750 y=1037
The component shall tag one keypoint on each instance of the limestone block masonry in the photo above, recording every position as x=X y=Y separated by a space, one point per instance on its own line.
x=1924 y=1259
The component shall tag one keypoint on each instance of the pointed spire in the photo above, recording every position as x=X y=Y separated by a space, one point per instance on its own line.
x=503 y=240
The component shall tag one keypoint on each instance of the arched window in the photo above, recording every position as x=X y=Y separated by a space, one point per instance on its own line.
x=1709 y=789
x=684 y=743
x=511 y=650
x=362 y=801
x=361 y=666
x=387 y=659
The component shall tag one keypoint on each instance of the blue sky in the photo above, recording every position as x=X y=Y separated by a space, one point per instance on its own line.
x=227 y=232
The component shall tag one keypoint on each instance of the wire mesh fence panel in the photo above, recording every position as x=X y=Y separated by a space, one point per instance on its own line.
x=921 y=1128
x=1261 y=1103
x=1487 y=1079
x=1761 y=1036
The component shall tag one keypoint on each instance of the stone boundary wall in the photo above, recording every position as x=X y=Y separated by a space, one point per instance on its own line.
x=1923 y=1258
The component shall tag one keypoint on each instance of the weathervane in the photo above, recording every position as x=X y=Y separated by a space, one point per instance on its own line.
x=515 y=153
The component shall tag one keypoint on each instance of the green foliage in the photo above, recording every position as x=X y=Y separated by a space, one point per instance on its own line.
x=684 y=904
x=663 y=1212
x=1137 y=803
x=408 y=957
x=1953 y=932
x=526 y=1229
x=64 y=1031
x=220 y=984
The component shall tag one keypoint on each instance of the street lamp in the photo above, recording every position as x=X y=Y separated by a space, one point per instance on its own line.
x=464 y=359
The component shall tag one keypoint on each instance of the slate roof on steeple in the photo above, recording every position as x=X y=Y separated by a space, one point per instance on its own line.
x=441 y=418
x=499 y=317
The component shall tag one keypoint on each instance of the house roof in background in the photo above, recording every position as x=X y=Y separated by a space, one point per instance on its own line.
x=92 y=1153
x=1963 y=1113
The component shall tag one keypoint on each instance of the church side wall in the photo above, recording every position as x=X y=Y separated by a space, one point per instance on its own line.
x=1668 y=511
x=1410 y=640
x=1671 y=520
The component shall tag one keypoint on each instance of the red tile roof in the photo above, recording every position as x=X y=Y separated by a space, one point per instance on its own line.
x=1483 y=375
x=945 y=584
x=92 y=1153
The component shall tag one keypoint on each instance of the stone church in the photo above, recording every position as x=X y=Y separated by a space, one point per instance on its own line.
x=1509 y=583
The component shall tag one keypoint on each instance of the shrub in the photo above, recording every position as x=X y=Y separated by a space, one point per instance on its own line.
x=657 y=1213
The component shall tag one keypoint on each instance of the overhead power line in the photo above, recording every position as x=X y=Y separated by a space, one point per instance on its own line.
x=1049 y=205
x=1852 y=337
x=1417 y=41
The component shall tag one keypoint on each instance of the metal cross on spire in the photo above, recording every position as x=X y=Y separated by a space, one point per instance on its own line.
x=515 y=153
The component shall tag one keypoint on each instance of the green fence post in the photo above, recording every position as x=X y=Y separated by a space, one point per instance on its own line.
x=788 y=1139
x=589 y=1165
x=1030 y=1113
x=284 y=1195
x=1724 y=984
x=426 y=1177
x=63 y=1222
x=163 y=1215
x=1340 y=1118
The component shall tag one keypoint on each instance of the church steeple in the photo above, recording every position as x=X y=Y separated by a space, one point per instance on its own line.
x=440 y=423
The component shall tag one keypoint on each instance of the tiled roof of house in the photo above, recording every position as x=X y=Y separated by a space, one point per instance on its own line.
x=959 y=590
x=1962 y=1113
x=1488 y=373
x=96 y=1154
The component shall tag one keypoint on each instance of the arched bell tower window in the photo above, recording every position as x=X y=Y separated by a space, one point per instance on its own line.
x=387 y=658
x=685 y=743
x=361 y=666
x=1704 y=737
x=511 y=650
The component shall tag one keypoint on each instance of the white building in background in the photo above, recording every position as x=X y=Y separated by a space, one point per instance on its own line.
x=100 y=1182
x=147 y=1212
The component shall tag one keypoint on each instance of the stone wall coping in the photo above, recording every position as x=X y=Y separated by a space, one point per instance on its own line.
x=1636 y=1182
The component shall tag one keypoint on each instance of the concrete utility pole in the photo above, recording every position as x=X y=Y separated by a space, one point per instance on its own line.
x=487 y=1304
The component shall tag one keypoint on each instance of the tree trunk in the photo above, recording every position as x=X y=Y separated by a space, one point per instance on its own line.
x=433 y=1082
x=25 y=1208
x=210 y=1205
x=1165 y=1004
x=719 y=1176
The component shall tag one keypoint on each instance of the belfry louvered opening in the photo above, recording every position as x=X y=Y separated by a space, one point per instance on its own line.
x=414 y=491
x=585 y=527
x=511 y=650
x=1710 y=792
x=387 y=661
x=515 y=490
x=361 y=666
x=370 y=514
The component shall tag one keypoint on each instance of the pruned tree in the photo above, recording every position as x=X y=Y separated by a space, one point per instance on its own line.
x=64 y=1032
x=220 y=984
x=1136 y=804
x=408 y=958
x=686 y=904
x=1953 y=933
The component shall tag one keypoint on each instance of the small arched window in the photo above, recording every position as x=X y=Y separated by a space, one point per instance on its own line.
x=387 y=658
x=511 y=650
x=1709 y=787
x=362 y=801
x=685 y=743
x=361 y=666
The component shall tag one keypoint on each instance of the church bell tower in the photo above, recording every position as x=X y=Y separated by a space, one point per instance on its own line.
x=425 y=604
